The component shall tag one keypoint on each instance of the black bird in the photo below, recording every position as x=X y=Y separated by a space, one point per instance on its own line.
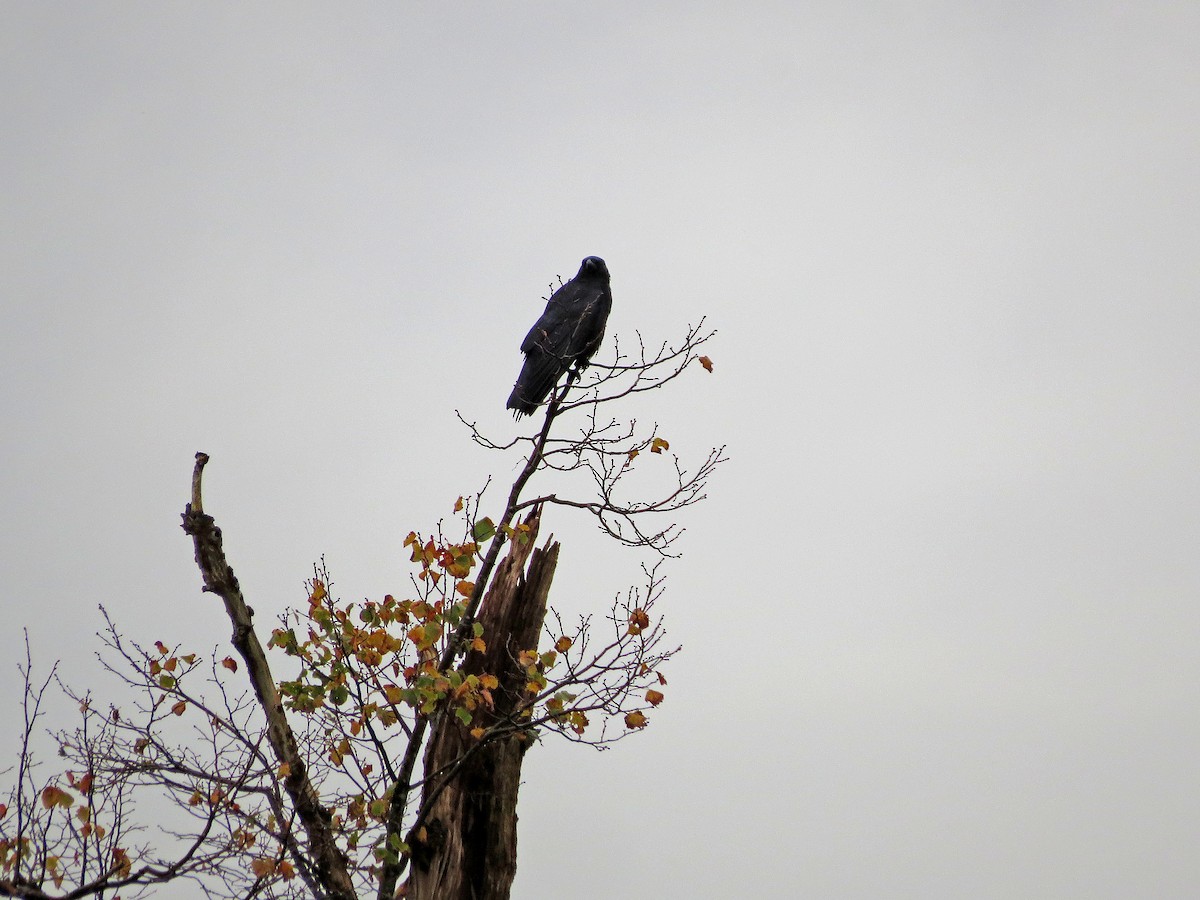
x=567 y=334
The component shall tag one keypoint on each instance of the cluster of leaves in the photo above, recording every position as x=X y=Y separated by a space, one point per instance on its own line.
x=70 y=819
x=384 y=655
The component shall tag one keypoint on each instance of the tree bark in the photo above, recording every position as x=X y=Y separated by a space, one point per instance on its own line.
x=464 y=845
x=330 y=864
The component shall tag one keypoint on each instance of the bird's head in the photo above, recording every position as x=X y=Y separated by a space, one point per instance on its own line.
x=593 y=267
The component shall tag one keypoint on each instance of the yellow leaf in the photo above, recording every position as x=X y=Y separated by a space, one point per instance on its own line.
x=654 y=697
x=465 y=588
x=563 y=644
x=458 y=505
x=658 y=445
x=478 y=644
x=636 y=719
x=284 y=770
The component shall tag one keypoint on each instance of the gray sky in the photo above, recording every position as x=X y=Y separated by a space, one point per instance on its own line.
x=939 y=616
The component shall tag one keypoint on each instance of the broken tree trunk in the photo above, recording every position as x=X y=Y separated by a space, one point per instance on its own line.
x=464 y=847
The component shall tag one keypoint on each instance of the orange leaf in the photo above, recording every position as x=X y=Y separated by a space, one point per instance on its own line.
x=636 y=719
x=654 y=697
x=478 y=644
x=52 y=797
x=229 y=663
x=161 y=647
x=179 y=707
x=563 y=644
x=706 y=362
x=122 y=864
x=638 y=620
x=263 y=868
x=465 y=588
x=284 y=770
x=458 y=505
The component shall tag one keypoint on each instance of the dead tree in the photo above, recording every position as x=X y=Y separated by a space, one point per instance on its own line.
x=389 y=764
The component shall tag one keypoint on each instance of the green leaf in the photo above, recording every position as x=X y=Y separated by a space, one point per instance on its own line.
x=483 y=529
x=464 y=715
x=477 y=627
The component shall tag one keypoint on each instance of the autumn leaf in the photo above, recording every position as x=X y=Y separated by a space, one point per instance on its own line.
x=465 y=588
x=706 y=362
x=262 y=868
x=636 y=719
x=230 y=664
x=638 y=620
x=161 y=647
x=122 y=865
x=563 y=644
x=287 y=870
x=53 y=796
x=284 y=770
x=318 y=592
x=458 y=504
x=654 y=697
x=478 y=733
x=479 y=644
x=3 y=810
x=633 y=454
x=658 y=445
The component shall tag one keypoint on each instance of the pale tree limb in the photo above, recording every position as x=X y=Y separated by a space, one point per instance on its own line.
x=330 y=863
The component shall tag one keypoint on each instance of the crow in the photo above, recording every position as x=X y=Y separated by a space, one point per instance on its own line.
x=567 y=334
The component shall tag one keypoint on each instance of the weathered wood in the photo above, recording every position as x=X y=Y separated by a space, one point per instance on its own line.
x=465 y=846
x=330 y=864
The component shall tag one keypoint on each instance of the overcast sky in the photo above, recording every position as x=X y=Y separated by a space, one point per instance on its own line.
x=940 y=614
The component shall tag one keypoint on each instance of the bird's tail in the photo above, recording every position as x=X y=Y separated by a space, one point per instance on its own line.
x=537 y=379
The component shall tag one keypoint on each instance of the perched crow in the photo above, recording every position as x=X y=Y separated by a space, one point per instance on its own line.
x=567 y=334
